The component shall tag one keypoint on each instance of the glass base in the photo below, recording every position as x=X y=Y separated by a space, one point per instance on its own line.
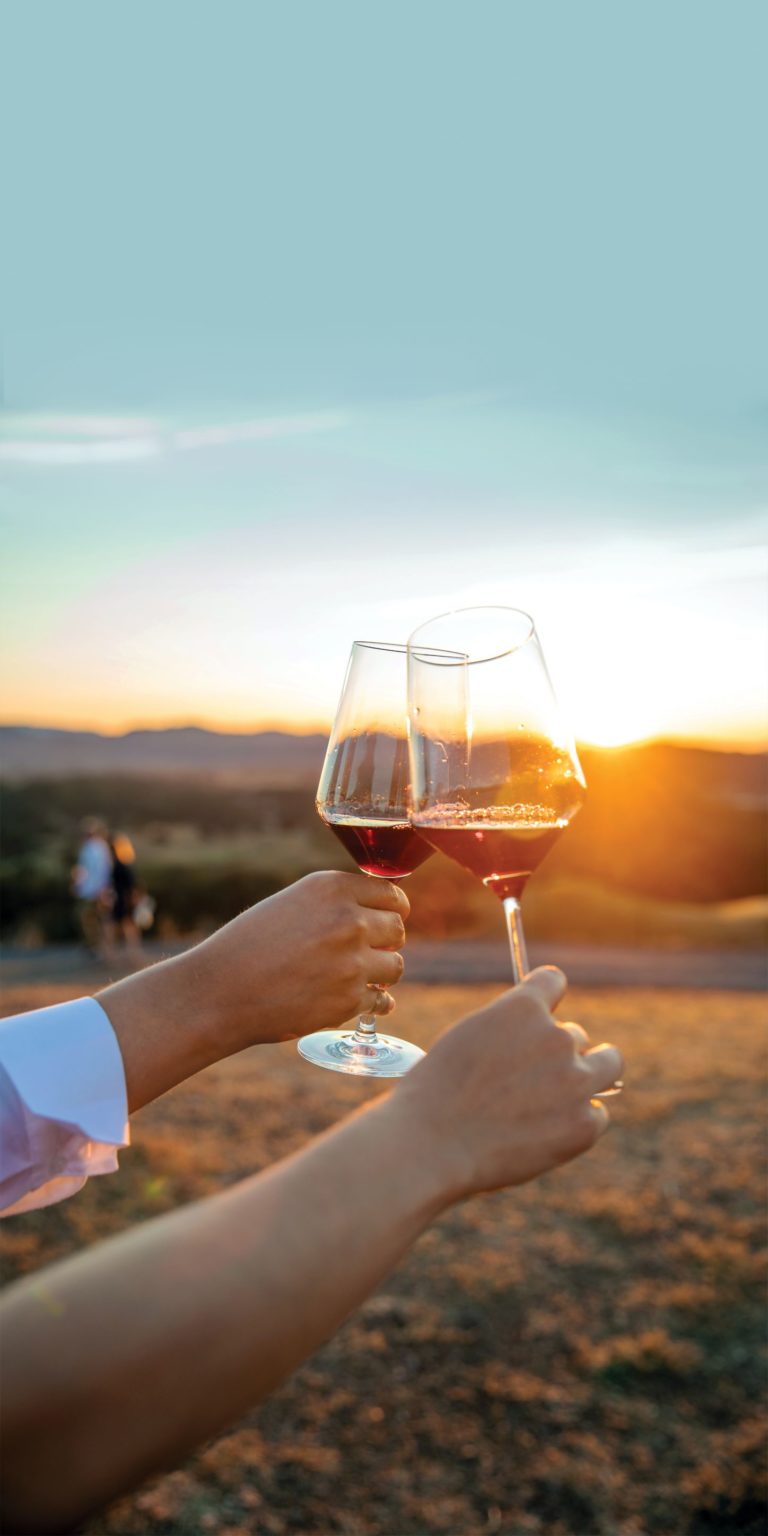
x=346 y=1050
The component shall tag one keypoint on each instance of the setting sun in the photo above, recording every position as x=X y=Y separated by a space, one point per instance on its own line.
x=613 y=701
x=613 y=723
x=614 y=738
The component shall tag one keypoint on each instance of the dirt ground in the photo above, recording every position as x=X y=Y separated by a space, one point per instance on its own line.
x=581 y=1357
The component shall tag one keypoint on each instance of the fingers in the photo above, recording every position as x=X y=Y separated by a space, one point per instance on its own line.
x=384 y=967
x=546 y=983
x=608 y=1059
x=580 y=1036
x=581 y=1125
x=600 y=1067
x=378 y=1001
x=380 y=894
x=600 y=1117
x=386 y=930
x=605 y=1066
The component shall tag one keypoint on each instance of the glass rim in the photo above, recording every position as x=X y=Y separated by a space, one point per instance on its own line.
x=422 y=652
x=379 y=645
x=392 y=645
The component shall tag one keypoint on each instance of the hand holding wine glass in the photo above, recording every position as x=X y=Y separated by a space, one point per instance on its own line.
x=364 y=797
x=495 y=774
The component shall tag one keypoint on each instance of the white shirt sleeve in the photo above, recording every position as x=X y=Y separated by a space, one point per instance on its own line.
x=63 y=1104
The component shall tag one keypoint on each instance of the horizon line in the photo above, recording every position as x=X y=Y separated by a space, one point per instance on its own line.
x=705 y=741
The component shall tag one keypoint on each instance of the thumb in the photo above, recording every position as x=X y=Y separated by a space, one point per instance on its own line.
x=546 y=983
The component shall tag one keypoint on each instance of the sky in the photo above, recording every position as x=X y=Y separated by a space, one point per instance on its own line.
x=319 y=320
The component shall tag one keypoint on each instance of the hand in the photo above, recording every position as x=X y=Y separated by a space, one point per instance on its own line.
x=300 y=961
x=508 y=1093
x=304 y=959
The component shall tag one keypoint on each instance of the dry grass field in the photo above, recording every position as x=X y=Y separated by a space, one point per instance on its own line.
x=582 y=1357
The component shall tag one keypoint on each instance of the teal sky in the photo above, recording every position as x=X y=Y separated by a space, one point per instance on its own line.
x=317 y=319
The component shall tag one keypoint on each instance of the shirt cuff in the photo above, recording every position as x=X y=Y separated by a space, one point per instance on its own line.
x=65 y=1064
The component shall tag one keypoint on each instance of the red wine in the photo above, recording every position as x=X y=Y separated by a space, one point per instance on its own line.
x=501 y=850
x=388 y=848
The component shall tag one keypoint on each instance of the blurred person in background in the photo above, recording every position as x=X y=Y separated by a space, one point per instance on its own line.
x=92 y=885
x=124 y=895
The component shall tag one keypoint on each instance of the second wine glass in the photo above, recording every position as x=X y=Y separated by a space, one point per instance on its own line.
x=496 y=778
x=364 y=797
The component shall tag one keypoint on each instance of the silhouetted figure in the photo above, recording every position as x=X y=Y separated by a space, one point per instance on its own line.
x=124 y=893
x=92 y=885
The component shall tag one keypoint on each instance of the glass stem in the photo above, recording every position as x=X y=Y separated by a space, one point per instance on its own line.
x=516 y=938
x=366 y=1027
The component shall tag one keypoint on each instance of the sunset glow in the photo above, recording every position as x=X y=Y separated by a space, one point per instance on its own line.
x=247 y=418
x=137 y=646
x=613 y=733
x=151 y=616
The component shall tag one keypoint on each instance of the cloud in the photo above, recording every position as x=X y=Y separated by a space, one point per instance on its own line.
x=123 y=440
x=257 y=431
x=67 y=425
x=59 y=452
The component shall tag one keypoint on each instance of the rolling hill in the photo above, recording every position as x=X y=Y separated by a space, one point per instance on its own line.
x=264 y=757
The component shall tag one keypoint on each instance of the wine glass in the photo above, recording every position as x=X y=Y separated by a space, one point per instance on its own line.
x=364 y=797
x=495 y=775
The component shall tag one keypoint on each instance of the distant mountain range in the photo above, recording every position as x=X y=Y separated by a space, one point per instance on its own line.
x=265 y=757
x=663 y=821
x=273 y=758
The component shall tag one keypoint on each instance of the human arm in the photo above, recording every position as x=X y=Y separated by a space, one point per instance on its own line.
x=118 y=1361
x=292 y=964
x=299 y=961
